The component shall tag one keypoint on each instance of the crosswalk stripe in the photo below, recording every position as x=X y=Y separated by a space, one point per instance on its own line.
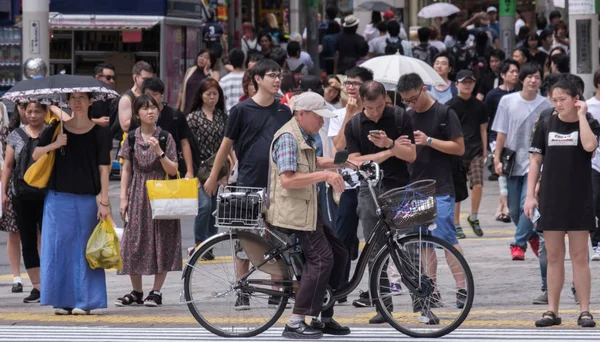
x=109 y=334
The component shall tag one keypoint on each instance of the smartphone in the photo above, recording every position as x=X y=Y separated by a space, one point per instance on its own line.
x=375 y=132
x=536 y=215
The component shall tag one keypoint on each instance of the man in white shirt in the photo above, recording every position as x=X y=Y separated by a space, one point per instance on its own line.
x=519 y=22
x=594 y=109
x=514 y=121
x=232 y=82
x=346 y=222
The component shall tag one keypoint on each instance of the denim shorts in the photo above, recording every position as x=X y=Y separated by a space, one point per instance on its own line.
x=444 y=223
x=445 y=229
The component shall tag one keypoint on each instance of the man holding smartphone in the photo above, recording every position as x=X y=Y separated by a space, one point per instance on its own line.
x=383 y=134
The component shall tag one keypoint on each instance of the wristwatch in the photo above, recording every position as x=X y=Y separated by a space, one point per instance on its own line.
x=429 y=141
x=162 y=155
x=391 y=146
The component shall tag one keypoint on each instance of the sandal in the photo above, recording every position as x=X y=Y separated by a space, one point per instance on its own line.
x=503 y=218
x=548 y=319
x=586 y=320
x=154 y=299
x=133 y=298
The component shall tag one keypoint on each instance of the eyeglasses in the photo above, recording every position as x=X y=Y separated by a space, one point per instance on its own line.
x=350 y=84
x=413 y=99
x=275 y=75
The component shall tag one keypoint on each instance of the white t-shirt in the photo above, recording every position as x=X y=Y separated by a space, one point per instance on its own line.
x=377 y=45
x=335 y=124
x=518 y=24
x=594 y=109
x=516 y=117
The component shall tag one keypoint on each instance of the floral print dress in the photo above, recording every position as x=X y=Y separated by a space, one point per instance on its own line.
x=148 y=246
x=8 y=221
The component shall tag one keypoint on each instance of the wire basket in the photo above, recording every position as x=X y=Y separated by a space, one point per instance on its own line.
x=240 y=207
x=411 y=206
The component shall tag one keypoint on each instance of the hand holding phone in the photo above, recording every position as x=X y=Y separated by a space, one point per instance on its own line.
x=375 y=132
x=536 y=216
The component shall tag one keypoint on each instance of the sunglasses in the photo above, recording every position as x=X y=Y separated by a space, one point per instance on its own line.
x=109 y=77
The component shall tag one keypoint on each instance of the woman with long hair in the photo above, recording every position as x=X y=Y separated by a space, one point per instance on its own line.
x=533 y=44
x=560 y=36
x=8 y=221
x=148 y=246
x=28 y=207
x=564 y=144
x=194 y=76
x=207 y=119
x=371 y=31
x=77 y=199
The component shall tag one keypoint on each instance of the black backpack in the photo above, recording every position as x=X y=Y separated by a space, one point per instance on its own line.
x=22 y=189
x=251 y=51
x=392 y=47
x=163 y=136
x=115 y=126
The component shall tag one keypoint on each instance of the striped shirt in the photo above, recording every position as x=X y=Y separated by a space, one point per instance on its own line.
x=232 y=88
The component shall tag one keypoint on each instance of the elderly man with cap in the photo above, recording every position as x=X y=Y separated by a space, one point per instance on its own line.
x=295 y=171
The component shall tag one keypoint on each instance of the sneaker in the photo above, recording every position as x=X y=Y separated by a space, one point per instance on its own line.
x=429 y=318
x=541 y=299
x=80 y=312
x=459 y=233
x=596 y=256
x=435 y=301
x=17 y=288
x=396 y=289
x=208 y=256
x=363 y=300
x=242 y=302
x=534 y=242
x=461 y=298
x=517 y=253
x=475 y=226
x=63 y=311
x=190 y=251
x=34 y=297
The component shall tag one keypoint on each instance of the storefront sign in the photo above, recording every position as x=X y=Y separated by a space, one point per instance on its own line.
x=583 y=30
x=34 y=37
x=582 y=7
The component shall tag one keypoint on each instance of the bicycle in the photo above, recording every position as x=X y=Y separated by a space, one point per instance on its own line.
x=276 y=259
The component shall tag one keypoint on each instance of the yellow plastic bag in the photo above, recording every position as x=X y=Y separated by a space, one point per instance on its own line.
x=103 y=250
x=38 y=174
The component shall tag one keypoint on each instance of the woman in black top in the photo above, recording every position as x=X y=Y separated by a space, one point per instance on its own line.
x=564 y=143
x=77 y=199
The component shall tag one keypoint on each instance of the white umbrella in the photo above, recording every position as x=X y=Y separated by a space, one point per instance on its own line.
x=439 y=9
x=388 y=70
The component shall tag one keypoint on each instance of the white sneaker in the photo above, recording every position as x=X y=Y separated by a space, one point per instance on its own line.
x=190 y=251
x=596 y=256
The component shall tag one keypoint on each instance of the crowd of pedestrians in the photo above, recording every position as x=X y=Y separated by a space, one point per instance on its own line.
x=237 y=104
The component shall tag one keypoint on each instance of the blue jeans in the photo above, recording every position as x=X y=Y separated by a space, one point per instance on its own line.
x=543 y=263
x=517 y=192
x=204 y=223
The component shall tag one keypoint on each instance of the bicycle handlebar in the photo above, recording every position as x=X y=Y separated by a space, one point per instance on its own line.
x=367 y=171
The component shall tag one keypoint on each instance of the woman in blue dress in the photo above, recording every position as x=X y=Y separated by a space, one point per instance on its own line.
x=76 y=201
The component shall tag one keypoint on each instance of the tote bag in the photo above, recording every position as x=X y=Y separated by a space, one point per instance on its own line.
x=173 y=199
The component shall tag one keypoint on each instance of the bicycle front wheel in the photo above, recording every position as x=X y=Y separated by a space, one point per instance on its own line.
x=224 y=302
x=445 y=287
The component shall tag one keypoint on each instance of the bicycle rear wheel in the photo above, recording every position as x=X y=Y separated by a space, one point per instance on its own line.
x=445 y=286
x=212 y=290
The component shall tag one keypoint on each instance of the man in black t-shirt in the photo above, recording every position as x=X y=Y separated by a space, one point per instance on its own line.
x=491 y=79
x=100 y=110
x=250 y=131
x=439 y=137
x=473 y=118
x=383 y=134
x=172 y=121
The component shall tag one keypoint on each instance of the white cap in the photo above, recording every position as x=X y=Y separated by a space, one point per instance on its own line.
x=492 y=9
x=313 y=102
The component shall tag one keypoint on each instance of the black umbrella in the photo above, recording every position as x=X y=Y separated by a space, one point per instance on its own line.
x=53 y=89
x=378 y=6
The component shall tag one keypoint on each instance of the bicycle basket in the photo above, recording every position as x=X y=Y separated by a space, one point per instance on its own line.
x=239 y=207
x=411 y=206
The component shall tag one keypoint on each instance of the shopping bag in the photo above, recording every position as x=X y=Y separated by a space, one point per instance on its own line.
x=103 y=250
x=38 y=174
x=173 y=199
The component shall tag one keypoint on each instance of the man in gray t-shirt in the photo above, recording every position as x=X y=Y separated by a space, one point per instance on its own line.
x=514 y=122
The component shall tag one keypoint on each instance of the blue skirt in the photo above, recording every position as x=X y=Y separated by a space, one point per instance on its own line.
x=67 y=281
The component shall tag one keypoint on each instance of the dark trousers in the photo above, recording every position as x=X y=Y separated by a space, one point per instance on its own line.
x=322 y=250
x=327 y=205
x=596 y=186
x=346 y=224
x=29 y=219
